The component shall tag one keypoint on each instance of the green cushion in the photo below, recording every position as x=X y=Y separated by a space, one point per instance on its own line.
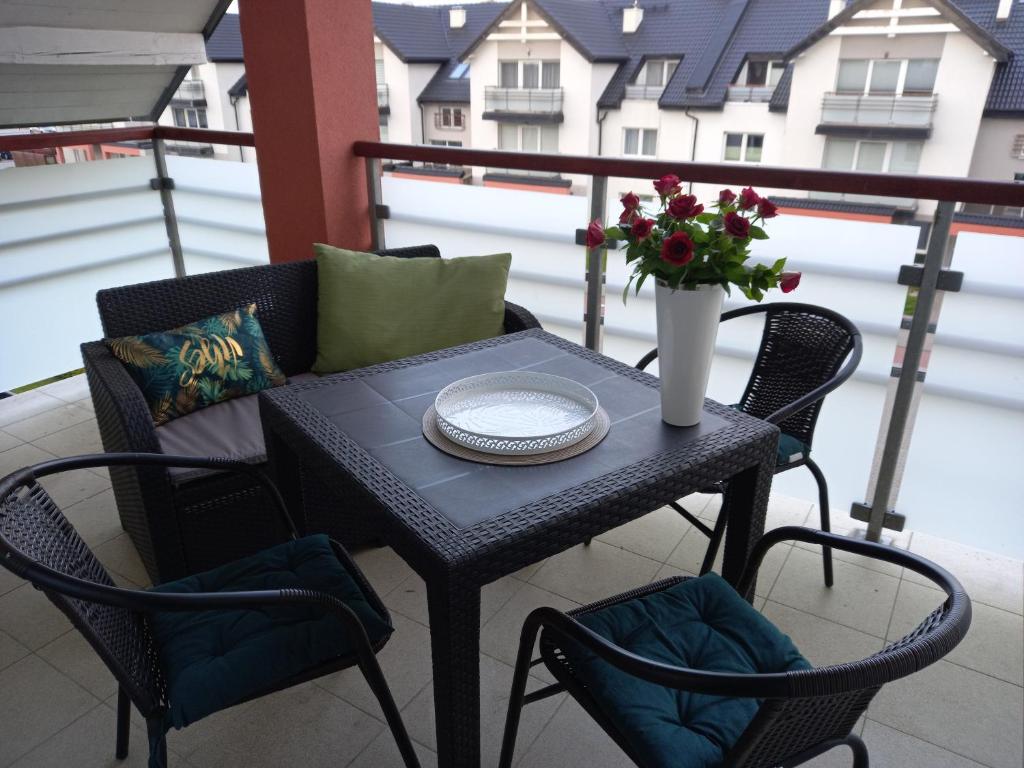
x=377 y=308
x=701 y=624
x=790 y=449
x=214 y=659
x=200 y=364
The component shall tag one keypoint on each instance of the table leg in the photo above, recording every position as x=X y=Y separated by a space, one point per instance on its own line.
x=455 y=647
x=746 y=504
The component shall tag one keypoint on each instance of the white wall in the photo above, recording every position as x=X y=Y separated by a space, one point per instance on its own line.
x=993 y=158
x=814 y=75
x=400 y=98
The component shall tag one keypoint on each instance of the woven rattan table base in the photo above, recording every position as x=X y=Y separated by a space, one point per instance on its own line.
x=440 y=441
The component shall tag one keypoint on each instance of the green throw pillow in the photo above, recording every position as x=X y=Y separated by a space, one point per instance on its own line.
x=200 y=364
x=378 y=308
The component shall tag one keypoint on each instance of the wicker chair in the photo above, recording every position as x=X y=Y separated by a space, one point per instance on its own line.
x=799 y=362
x=798 y=714
x=37 y=543
x=185 y=526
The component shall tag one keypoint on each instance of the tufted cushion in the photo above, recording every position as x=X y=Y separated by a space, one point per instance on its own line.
x=790 y=449
x=701 y=624
x=214 y=659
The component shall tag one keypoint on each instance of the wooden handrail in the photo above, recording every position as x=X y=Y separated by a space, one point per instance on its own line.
x=21 y=141
x=205 y=136
x=736 y=174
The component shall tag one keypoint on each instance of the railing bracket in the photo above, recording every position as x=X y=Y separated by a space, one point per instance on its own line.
x=383 y=211
x=161 y=183
x=893 y=521
x=948 y=279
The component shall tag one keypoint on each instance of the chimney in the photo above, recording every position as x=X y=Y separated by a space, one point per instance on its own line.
x=456 y=18
x=836 y=7
x=1003 y=12
x=631 y=18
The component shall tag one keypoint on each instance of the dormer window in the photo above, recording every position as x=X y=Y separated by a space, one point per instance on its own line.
x=760 y=73
x=460 y=71
x=655 y=73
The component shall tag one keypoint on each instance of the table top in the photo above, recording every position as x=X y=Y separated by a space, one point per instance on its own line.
x=368 y=423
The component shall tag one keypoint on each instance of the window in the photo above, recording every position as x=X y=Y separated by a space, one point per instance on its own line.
x=1017 y=150
x=872 y=156
x=743 y=147
x=761 y=73
x=1018 y=178
x=460 y=72
x=189 y=117
x=640 y=141
x=655 y=73
x=529 y=74
x=887 y=77
x=445 y=143
x=528 y=138
x=451 y=117
x=379 y=66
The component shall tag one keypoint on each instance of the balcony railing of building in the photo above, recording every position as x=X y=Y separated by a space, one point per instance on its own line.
x=650 y=92
x=878 y=111
x=751 y=93
x=530 y=101
x=190 y=91
x=383 y=102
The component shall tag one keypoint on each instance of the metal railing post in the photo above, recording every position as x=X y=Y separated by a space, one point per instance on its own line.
x=165 y=184
x=878 y=514
x=378 y=211
x=593 y=309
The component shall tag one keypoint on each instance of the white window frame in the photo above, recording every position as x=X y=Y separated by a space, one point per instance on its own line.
x=858 y=143
x=743 y=147
x=519 y=137
x=540 y=73
x=901 y=80
x=641 y=75
x=641 y=132
x=774 y=65
x=185 y=114
x=448 y=117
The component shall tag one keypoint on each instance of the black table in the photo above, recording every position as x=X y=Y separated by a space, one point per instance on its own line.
x=349 y=453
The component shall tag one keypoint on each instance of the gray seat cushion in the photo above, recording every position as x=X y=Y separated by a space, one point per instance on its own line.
x=230 y=430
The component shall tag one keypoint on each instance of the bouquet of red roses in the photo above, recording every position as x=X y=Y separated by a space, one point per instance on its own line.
x=685 y=246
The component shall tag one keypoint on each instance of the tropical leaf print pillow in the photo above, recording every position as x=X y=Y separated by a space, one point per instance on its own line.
x=200 y=364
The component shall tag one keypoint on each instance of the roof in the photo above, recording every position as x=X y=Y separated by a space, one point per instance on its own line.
x=1006 y=96
x=240 y=88
x=225 y=44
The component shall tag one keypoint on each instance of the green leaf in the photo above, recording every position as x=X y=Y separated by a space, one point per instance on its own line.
x=615 y=233
x=756 y=233
x=640 y=282
x=778 y=266
x=707 y=218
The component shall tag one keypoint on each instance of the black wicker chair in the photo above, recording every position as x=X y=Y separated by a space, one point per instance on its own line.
x=800 y=714
x=37 y=543
x=185 y=526
x=799 y=362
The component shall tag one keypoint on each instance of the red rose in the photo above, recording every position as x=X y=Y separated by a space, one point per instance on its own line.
x=685 y=207
x=677 y=249
x=766 y=209
x=788 y=281
x=748 y=199
x=595 y=234
x=726 y=197
x=642 y=228
x=736 y=225
x=630 y=204
x=667 y=185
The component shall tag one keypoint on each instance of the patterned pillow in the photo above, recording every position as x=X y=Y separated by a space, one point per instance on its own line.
x=200 y=364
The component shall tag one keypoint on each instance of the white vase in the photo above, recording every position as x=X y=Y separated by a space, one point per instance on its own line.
x=687 y=327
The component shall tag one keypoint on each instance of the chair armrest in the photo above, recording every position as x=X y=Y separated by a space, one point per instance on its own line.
x=123 y=417
x=518 y=318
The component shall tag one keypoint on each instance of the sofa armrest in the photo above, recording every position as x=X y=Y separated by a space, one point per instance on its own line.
x=518 y=318
x=124 y=419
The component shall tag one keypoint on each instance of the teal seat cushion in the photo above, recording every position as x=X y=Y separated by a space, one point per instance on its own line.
x=214 y=659
x=701 y=624
x=790 y=449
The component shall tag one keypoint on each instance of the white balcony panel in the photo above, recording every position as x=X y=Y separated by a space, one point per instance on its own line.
x=523 y=100
x=753 y=93
x=644 y=91
x=894 y=111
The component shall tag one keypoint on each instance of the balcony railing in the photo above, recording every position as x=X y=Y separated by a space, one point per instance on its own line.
x=190 y=91
x=635 y=91
x=751 y=93
x=382 y=96
x=534 y=101
x=878 y=111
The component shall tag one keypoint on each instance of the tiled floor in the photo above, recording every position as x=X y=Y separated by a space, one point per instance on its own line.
x=57 y=700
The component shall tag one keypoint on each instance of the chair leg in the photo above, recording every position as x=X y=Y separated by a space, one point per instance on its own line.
x=124 y=713
x=375 y=678
x=859 y=749
x=517 y=694
x=714 y=543
x=157 y=743
x=826 y=552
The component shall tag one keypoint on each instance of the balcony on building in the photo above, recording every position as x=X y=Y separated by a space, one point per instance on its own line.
x=751 y=93
x=756 y=80
x=190 y=92
x=877 y=115
x=651 y=78
x=523 y=105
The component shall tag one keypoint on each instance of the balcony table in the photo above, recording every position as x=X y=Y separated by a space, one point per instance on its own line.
x=462 y=525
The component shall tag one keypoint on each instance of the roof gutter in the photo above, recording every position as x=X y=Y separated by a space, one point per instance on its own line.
x=600 y=130
x=693 y=144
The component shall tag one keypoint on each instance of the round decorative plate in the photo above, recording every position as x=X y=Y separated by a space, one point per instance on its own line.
x=515 y=413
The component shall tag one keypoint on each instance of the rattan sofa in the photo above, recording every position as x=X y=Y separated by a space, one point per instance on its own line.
x=186 y=522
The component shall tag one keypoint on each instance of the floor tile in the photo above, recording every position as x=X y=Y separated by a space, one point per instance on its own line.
x=21 y=456
x=26 y=405
x=30 y=618
x=689 y=556
x=499 y=637
x=861 y=599
x=72 y=655
x=588 y=573
x=958 y=709
x=10 y=650
x=495 y=684
x=384 y=569
x=69 y=488
x=787 y=510
x=79 y=439
x=410 y=598
x=571 y=740
x=405 y=661
x=891 y=747
x=303 y=726
x=96 y=518
x=9 y=581
x=988 y=578
x=994 y=643
x=120 y=556
x=46 y=702
x=654 y=535
x=844 y=525
x=69 y=390
x=821 y=641
x=383 y=753
x=46 y=423
x=8 y=441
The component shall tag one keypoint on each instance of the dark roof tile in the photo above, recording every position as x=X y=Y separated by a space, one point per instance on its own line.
x=225 y=44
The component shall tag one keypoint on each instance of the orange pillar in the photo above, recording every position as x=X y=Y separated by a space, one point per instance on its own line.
x=310 y=71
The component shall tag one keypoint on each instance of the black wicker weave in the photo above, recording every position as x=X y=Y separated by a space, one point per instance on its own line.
x=802 y=713
x=455 y=560
x=185 y=527
x=800 y=360
x=38 y=544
